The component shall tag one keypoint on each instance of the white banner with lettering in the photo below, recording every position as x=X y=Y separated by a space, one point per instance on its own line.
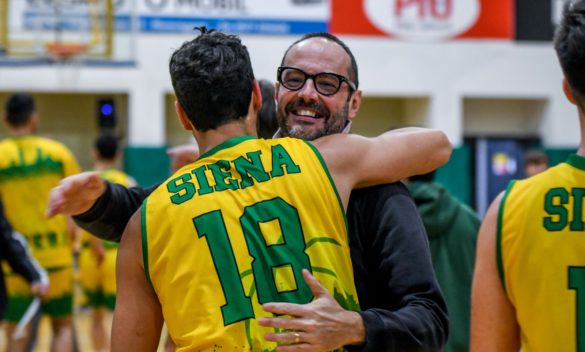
x=172 y=16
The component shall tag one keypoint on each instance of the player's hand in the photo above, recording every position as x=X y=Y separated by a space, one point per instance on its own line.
x=39 y=289
x=182 y=155
x=75 y=194
x=321 y=325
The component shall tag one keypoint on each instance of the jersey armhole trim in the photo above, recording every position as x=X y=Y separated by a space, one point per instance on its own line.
x=499 y=259
x=577 y=161
x=145 y=242
x=320 y=157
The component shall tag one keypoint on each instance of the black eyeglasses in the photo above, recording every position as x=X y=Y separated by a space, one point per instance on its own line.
x=326 y=83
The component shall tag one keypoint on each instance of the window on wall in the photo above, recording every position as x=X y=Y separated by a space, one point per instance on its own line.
x=502 y=116
x=380 y=114
x=175 y=134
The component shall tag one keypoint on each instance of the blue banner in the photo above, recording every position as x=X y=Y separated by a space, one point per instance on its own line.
x=166 y=24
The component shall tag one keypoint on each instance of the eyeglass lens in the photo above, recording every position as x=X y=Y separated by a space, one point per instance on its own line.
x=324 y=83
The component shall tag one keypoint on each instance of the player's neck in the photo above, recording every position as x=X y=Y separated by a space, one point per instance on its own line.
x=27 y=128
x=101 y=165
x=212 y=138
x=21 y=131
x=581 y=150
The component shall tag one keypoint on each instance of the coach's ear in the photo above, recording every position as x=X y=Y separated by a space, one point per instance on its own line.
x=355 y=101
x=183 y=119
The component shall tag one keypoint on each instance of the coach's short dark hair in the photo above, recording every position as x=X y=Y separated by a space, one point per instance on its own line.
x=19 y=109
x=212 y=77
x=569 y=44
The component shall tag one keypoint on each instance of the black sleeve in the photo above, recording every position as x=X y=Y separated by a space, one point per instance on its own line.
x=13 y=249
x=403 y=307
x=109 y=215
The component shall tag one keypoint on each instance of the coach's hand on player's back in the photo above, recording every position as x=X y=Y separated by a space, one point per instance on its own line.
x=321 y=325
x=75 y=194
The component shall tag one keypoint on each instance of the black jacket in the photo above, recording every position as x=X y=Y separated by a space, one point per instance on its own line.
x=403 y=307
x=13 y=249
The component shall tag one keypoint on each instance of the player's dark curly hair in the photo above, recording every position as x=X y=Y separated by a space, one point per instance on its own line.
x=19 y=109
x=106 y=146
x=569 y=44
x=212 y=78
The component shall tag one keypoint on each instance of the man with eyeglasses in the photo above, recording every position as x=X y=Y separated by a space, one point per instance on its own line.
x=402 y=306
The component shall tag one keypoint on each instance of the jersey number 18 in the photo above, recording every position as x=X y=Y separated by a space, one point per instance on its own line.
x=266 y=258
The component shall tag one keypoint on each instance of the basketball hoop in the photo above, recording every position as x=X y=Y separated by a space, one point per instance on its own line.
x=60 y=51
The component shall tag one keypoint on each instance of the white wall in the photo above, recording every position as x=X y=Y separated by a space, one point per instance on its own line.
x=435 y=82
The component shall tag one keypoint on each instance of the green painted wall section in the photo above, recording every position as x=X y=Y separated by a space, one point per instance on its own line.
x=558 y=155
x=457 y=174
x=148 y=165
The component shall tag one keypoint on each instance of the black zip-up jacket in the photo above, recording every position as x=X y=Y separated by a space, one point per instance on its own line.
x=13 y=249
x=403 y=307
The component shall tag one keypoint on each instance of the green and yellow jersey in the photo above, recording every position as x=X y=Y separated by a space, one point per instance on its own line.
x=541 y=256
x=233 y=230
x=30 y=166
x=98 y=279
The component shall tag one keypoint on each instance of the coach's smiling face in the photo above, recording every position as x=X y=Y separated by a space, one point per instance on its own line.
x=305 y=112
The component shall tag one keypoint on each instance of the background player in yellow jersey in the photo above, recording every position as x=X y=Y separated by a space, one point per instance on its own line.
x=97 y=260
x=235 y=228
x=29 y=167
x=529 y=285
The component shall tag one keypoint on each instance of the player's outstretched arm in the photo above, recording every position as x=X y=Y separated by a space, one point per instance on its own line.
x=75 y=194
x=138 y=316
x=493 y=322
x=358 y=161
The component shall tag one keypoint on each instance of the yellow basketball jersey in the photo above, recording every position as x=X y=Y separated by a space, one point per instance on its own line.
x=541 y=256
x=117 y=176
x=114 y=176
x=30 y=166
x=234 y=230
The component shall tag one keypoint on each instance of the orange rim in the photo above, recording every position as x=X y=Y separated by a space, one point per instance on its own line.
x=66 y=50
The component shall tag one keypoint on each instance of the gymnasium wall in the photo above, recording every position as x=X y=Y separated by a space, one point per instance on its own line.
x=467 y=88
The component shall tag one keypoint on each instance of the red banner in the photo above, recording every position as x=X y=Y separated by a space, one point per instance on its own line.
x=424 y=19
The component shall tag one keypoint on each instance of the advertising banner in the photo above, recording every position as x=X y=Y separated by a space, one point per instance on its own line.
x=235 y=16
x=174 y=16
x=424 y=20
